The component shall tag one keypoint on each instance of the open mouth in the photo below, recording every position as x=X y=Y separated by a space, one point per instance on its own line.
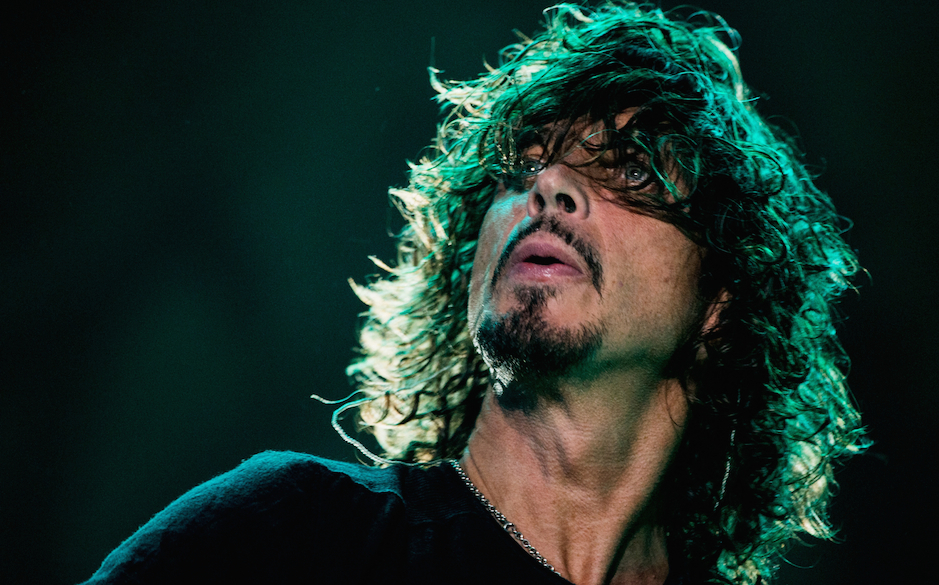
x=542 y=260
x=546 y=251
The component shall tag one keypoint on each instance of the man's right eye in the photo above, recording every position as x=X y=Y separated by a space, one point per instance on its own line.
x=521 y=176
x=530 y=166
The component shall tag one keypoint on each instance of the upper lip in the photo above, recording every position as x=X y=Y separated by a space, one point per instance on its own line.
x=544 y=246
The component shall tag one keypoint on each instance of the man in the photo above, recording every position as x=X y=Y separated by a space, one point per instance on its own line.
x=606 y=354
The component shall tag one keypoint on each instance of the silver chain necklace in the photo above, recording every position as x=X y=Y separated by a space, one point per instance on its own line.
x=501 y=519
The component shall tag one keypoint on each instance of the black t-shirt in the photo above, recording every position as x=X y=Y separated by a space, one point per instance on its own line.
x=295 y=518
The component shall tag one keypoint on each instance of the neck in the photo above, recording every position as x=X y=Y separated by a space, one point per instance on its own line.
x=579 y=479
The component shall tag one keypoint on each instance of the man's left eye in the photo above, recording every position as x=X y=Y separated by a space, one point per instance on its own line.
x=636 y=174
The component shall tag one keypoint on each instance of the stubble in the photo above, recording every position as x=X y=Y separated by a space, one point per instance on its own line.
x=527 y=356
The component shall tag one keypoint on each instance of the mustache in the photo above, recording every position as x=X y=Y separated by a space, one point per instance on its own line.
x=552 y=226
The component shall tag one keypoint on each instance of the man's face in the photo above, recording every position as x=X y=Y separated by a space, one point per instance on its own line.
x=565 y=279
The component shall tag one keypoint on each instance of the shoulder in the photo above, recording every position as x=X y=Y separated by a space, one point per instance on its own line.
x=279 y=481
x=285 y=471
x=268 y=512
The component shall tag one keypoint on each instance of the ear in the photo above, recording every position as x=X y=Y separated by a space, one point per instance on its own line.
x=711 y=322
x=712 y=313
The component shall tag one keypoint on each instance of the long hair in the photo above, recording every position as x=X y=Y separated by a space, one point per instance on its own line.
x=770 y=410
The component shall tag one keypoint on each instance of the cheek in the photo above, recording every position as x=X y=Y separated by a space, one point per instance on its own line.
x=493 y=234
x=487 y=251
x=678 y=285
x=657 y=275
x=477 y=278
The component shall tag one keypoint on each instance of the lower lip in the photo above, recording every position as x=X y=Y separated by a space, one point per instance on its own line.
x=544 y=272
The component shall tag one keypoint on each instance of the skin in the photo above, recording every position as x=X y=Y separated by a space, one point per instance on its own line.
x=579 y=475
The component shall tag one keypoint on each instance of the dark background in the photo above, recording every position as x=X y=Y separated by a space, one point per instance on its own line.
x=186 y=186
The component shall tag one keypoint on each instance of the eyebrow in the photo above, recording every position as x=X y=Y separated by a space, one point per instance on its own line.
x=531 y=137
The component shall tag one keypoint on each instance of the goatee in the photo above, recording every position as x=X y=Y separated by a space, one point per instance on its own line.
x=526 y=355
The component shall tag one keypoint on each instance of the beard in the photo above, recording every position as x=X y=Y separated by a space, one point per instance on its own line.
x=527 y=356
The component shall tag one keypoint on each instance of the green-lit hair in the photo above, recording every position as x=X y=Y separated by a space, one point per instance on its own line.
x=770 y=411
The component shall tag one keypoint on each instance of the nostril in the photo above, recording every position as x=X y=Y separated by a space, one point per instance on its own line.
x=566 y=202
x=539 y=202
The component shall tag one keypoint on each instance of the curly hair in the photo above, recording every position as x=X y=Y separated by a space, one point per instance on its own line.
x=770 y=410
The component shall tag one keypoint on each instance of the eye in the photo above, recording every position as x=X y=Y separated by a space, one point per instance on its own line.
x=636 y=174
x=530 y=166
x=521 y=176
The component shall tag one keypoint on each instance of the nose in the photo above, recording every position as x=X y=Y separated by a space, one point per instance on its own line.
x=558 y=189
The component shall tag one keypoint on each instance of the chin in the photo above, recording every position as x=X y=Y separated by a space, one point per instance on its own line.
x=524 y=342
